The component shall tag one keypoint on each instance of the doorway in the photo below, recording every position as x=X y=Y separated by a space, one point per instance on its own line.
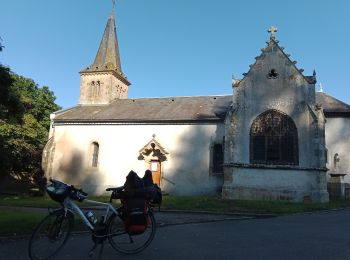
x=153 y=154
x=155 y=167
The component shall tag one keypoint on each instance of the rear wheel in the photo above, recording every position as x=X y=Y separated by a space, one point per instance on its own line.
x=126 y=243
x=50 y=235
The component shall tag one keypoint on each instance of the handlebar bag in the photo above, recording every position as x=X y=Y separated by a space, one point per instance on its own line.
x=137 y=218
x=58 y=191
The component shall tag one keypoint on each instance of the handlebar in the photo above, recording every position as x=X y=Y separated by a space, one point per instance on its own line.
x=117 y=189
x=116 y=193
x=74 y=193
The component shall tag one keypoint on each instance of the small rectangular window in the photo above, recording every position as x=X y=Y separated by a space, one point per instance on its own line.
x=154 y=166
x=218 y=159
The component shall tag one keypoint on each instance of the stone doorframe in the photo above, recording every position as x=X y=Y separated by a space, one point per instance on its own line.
x=153 y=151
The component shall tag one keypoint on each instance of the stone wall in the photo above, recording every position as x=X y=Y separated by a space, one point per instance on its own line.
x=338 y=142
x=274 y=83
x=185 y=171
x=101 y=88
x=248 y=183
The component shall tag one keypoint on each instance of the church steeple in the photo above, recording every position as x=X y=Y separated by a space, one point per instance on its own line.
x=104 y=81
x=107 y=56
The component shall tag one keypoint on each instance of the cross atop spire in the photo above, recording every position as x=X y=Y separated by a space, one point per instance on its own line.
x=113 y=6
x=272 y=30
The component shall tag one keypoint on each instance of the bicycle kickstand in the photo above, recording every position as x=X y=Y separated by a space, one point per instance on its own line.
x=101 y=250
x=91 y=253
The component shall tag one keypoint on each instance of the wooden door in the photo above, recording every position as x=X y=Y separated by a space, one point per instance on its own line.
x=156 y=172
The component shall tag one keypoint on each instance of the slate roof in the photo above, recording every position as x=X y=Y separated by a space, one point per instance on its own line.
x=173 y=109
x=332 y=106
x=161 y=110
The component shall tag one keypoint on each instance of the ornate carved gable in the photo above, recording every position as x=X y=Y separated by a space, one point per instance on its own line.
x=273 y=63
x=153 y=151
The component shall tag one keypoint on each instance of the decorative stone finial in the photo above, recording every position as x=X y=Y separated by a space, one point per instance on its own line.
x=235 y=81
x=154 y=136
x=272 y=30
x=321 y=88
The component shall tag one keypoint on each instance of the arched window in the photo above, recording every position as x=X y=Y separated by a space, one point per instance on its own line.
x=274 y=139
x=95 y=151
x=94 y=90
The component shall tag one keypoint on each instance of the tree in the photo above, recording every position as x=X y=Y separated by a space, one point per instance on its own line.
x=24 y=124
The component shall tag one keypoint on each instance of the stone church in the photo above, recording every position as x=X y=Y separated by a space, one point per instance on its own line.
x=274 y=138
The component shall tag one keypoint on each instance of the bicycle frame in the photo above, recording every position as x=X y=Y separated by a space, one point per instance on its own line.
x=71 y=206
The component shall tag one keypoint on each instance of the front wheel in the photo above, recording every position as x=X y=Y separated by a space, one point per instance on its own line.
x=50 y=235
x=126 y=243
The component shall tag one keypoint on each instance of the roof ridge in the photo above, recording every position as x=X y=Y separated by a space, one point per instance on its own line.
x=167 y=97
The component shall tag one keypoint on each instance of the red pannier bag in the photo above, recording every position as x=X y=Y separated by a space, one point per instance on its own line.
x=136 y=220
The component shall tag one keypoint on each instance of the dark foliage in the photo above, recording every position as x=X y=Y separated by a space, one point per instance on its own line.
x=24 y=124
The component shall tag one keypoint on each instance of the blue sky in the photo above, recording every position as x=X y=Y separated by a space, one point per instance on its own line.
x=174 y=47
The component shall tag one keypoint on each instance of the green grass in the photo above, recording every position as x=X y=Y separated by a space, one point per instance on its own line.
x=19 y=222
x=22 y=222
x=199 y=203
x=40 y=202
x=216 y=204
x=16 y=223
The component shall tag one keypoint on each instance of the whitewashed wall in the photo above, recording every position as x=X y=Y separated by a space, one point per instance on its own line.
x=338 y=141
x=187 y=170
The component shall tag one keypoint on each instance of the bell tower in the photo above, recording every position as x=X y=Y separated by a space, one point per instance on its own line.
x=104 y=81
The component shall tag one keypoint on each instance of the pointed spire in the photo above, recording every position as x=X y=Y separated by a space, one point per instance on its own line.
x=107 y=57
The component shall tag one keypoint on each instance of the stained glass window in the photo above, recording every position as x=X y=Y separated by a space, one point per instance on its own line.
x=274 y=139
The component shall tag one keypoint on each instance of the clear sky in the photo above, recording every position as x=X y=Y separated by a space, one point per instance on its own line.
x=174 y=47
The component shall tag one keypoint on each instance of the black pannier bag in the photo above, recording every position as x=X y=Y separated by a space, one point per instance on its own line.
x=133 y=186
x=135 y=204
x=136 y=220
x=153 y=191
x=136 y=195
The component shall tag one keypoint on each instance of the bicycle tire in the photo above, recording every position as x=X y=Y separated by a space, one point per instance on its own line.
x=124 y=243
x=53 y=232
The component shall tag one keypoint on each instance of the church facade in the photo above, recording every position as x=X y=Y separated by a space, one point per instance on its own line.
x=274 y=138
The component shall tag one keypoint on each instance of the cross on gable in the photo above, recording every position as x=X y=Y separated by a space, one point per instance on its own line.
x=272 y=30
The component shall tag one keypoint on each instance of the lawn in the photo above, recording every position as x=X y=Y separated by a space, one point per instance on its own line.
x=17 y=223
x=196 y=203
x=216 y=204
x=39 y=202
